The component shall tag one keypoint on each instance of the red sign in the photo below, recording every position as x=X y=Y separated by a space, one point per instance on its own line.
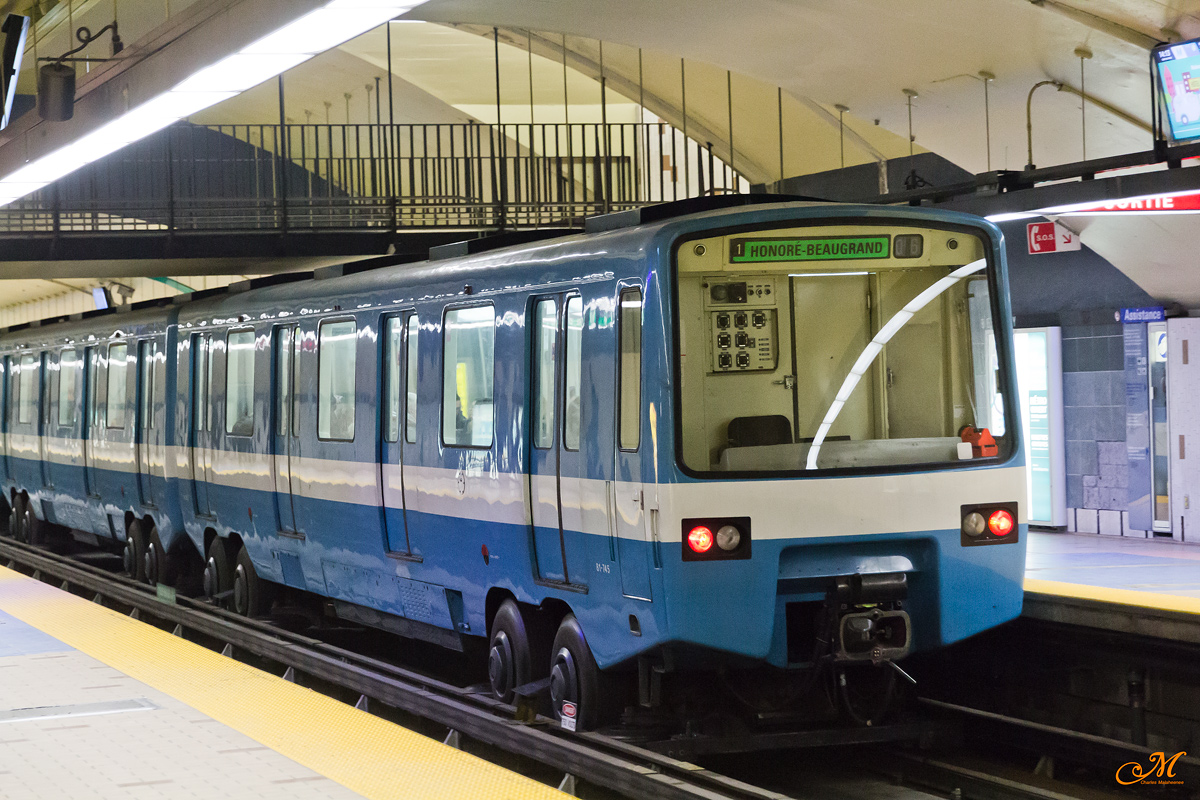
x=1041 y=237
x=1050 y=237
x=1183 y=202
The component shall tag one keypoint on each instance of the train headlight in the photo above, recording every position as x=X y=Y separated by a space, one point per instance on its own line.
x=700 y=539
x=973 y=524
x=1000 y=523
x=728 y=537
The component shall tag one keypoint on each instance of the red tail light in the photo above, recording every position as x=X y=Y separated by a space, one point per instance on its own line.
x=700 y=539
x=1000 y=523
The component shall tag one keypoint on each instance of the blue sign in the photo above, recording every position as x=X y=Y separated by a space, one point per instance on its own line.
x=1130 y=316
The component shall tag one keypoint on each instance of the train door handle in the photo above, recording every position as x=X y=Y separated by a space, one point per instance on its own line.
x=788 y=382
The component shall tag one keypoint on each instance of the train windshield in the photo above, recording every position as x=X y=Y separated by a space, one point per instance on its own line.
x=837 y=347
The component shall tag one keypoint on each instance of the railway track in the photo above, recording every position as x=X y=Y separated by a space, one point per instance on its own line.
x=463 y=715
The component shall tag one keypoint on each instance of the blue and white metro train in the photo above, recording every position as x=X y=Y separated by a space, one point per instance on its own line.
x=730 y=439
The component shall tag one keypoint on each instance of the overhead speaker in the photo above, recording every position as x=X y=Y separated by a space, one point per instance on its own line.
x=56 y=92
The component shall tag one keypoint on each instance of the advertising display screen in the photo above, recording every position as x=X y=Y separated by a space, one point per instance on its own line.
x=1179 y=87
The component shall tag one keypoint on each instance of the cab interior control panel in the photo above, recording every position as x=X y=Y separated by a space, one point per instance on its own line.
x=743 y=325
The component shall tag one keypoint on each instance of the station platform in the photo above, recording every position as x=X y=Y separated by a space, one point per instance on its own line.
x=1146 y=587
x=97 y=705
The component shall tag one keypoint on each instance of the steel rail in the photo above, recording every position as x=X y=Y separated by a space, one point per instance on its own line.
x=597 y=759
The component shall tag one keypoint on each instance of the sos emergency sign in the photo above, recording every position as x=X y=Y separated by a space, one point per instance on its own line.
x=1050 y=237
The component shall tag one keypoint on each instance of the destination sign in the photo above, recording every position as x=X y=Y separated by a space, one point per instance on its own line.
x=821 y=248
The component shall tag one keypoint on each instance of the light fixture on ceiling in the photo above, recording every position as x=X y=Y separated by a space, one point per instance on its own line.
x=325 y=28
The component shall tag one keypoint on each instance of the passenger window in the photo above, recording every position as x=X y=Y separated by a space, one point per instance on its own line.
x=410 y=412
x=630 y=376
x=469 y=353
x=68 y=380
x=572 y=399
x=335 y=385
x=391 y=379
x=115 y=408
x=27 y=391
x=200 y=371
x=545 y=343
x=239 y=383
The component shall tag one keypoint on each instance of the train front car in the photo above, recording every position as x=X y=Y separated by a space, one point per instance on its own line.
x=847 y=481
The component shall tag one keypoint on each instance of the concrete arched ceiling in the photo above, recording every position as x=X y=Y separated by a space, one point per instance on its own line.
x=864 y=54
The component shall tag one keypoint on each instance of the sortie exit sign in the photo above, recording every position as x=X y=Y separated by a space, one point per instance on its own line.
x=1050 y=237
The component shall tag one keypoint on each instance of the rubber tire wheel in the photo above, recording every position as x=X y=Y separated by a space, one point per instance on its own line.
x=510 y=660
x=36 y=530
x=16 y=518
x=218 y=571
x=578 y=679
x=250 y=593
x=157 y=562
x=134 y=555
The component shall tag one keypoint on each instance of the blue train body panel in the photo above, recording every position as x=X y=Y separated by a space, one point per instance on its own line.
x=427 y=531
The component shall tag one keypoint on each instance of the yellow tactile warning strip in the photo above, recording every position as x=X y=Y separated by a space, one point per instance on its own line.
x=1124 y=597
x=369 y=755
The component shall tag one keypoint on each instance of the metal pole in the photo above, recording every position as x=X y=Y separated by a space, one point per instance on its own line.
x=1083 y=54
x=987 y=115
x=503 y=169
x=280 y=155
x=910 y=94
x=607 y=143
x=1029 y=116
x=683 y=96
x=842 y=109
x=643 y=134
x=729 y=101
x=780 y=89
x=392 y=161
x=529 y=46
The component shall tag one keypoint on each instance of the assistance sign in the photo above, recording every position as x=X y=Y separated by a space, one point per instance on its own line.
x=822 y=248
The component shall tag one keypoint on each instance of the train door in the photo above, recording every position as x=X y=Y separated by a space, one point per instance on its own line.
x=631 y=523
x=201 y=420
x=545 y=442
x=43 y=417
x=286 y=428
x=91 y=418
x=144 y=423
x=397 y=425
x=5 y=388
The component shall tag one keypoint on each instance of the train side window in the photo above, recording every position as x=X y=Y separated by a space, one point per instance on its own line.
x=469 y=358
x=283 y=379
x=117 y=385
x=335 y=380
x=68 y=382
x=573 y=396
x=239 y=383
x=146 y=353
x=393 y=334
x=199 y=373
x=629 y=379
x=410 y=410
x=27 y=394
x=545 y=345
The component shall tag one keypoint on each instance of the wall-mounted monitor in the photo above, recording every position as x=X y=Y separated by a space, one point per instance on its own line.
x=1178 y=87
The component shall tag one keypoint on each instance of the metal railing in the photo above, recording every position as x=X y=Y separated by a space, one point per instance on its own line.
x=348 y=177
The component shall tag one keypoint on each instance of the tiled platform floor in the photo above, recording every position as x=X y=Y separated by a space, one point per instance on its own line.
x=96 y=705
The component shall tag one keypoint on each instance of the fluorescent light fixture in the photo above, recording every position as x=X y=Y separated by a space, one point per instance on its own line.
x=294 y=43
x=875 y=347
